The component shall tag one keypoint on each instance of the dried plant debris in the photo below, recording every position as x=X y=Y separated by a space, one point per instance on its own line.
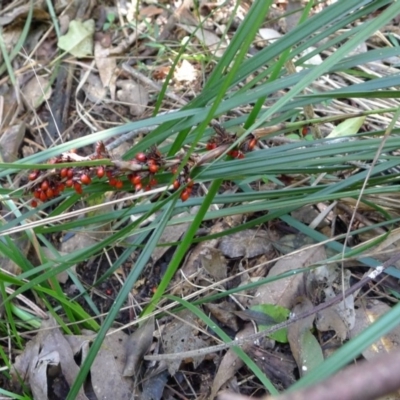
x=248 y=243
x=48 y=364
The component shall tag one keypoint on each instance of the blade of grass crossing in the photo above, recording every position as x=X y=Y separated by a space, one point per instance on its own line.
x=140 y=264
x=245 y=358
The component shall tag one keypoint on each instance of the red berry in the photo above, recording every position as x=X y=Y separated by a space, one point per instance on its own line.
x=233 y=153
x=135 y=179
x=36 y=193
x=78 y=188
x=43 y=196
x=176 y=184
x=211 y=146
x=69 y=183
x=240 y=155
x=119 y=184
x=113 y=181
x=70 y=173
x=147 y=188
x=85 y=179
x=185 y=195
x=141 y=157
x=153 y=168
x=33 y=175
x=34 y=203
x=63 y=172
x=49 y=193
x=138 y=186
x=61 y=187
x=153 y=182
x=44 y=186
x=100 y=172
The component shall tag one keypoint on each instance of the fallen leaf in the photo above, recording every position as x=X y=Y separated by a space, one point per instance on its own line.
x=78 y=41
x=22 y=12
x=214 y=262
x=224 y=312
x=366 y=314
x=230 y=363
x=284 y=291
x=37 y=90
x=178 y=337
x=10 y=142
x=248 y=243
x=138 y=345
x=135 y=95
x=49 y=347
x=185 y=72
x=305 y=348
x=107 y=66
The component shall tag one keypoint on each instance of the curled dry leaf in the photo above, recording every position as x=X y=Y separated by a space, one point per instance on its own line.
x=248 y=243
x=48 y=349
x=305 y=348
x=138 y=345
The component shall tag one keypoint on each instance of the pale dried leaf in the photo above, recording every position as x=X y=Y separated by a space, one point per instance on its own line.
x=248 y=243
x=135 y=95
x=185 y=72
x=106 y=372
x=11 y=141
x=269 y=34
x=284 y=291
x=305 y=348
x=37 y=90
x=178 y=337
x=366 y=314
x=94 y=89
x=107 y=66
x=214 y=262
x=32 y=362
x=330 y=320
x=137 y=346
x=230 y=364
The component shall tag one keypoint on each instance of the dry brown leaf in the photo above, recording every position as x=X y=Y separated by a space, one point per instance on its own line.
x=230 y=363
x=214 y=262
x=135 y=95
x=224 y=313
x=48 y=348
x=284 y=291
x=20 y=14
x=37 y=90
x=366 y=314
x=305 y=348
x=330 y=320
x=94 y=89
x=10 y=142
x=248 y=243
x=138 y=345
x=107 y=66
x=178 y=337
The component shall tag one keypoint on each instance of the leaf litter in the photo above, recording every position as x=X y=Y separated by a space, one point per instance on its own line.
x=48 y=363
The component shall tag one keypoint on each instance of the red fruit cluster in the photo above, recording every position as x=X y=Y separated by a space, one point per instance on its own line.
x=224 y=138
